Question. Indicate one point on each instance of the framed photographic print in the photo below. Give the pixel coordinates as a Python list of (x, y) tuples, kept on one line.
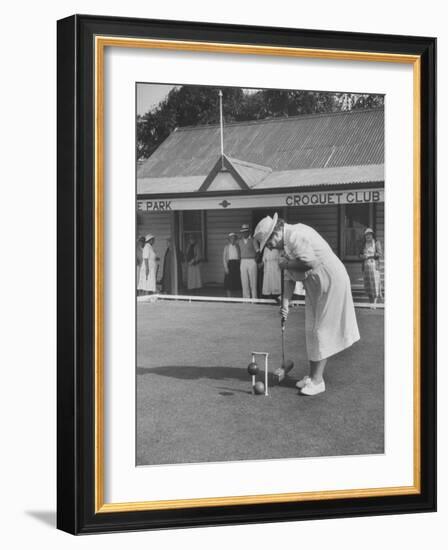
[(246, 274)]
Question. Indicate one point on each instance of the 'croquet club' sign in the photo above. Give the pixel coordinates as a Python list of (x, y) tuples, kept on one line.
[(312, 198), (334, 197)]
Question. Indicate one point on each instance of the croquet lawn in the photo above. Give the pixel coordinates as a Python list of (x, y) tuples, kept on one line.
[(194, 400)]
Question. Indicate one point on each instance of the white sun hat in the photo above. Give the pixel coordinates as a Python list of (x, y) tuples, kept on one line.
[(264, 230), (149, 236)]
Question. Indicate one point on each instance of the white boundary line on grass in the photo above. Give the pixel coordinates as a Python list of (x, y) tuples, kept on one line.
[(151, 298)]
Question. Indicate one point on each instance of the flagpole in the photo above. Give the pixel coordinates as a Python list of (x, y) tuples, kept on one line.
[(222, 128)]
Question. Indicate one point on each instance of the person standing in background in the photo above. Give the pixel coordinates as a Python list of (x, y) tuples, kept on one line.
[(193, 258), (371, 252), (271, 272), (231, 261), (168, 261), (167, 267), (139, 255), (248, 265), (147, 282)]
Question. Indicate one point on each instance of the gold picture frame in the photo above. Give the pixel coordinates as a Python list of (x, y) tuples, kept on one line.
[(98, 515)]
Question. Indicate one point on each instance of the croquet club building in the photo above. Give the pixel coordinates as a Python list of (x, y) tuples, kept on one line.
[(324, 170)]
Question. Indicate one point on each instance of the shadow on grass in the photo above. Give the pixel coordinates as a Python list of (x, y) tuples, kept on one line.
[(195, 373), (185, 372), (231, 391)]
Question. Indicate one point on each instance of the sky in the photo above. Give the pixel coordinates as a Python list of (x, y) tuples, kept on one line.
[(150, 95)]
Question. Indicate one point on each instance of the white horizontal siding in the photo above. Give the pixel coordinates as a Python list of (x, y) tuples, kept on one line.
[(323, 219)]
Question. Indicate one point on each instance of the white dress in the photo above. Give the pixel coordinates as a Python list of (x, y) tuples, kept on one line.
[(271, 273), (330, 319), (194, 278), (148, 283)]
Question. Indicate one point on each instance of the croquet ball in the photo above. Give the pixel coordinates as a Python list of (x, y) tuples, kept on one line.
[(252, 368), (259, 388)]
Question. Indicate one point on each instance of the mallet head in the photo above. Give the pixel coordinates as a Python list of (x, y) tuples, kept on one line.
[(281, 372)]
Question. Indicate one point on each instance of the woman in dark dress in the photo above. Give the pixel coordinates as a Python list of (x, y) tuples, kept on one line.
[(168, 259)]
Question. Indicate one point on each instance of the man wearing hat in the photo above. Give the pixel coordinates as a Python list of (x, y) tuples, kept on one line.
[(330, 320), (148, 270), (248, 265), (231, 261)]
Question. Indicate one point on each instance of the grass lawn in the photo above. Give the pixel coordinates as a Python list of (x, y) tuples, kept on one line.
[(194, 401)]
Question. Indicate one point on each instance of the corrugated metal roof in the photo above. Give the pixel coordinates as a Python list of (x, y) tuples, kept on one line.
[(189, 184), (335, 175), (324, 149), (345, 138)]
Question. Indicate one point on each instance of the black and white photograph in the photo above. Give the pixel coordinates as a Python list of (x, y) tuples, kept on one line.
[(260, 274), (227, 330)]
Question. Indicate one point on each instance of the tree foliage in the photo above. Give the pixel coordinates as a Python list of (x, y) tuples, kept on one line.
[(194, 105)]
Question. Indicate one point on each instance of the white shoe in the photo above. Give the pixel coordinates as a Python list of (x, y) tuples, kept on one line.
[(302, 383), (313, 389)]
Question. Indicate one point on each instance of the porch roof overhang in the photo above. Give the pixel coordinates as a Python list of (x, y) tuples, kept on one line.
[(271, 182)]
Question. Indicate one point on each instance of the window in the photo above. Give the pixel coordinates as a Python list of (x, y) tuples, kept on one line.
[(192, 222), (355, 219)]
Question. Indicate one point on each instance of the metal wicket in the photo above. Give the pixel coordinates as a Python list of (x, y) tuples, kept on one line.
[(266, 371)]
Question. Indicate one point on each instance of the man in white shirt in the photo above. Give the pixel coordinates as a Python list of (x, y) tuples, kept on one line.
[(248, 265)]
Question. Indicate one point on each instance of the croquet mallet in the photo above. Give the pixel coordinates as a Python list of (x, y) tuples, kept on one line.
[(287, 365)]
